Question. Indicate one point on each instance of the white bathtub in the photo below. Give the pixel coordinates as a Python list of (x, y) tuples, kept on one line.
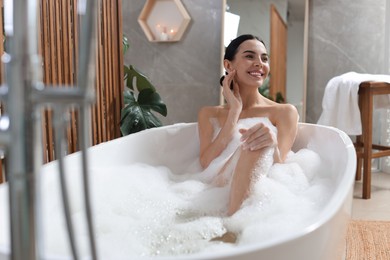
[(323, 239)]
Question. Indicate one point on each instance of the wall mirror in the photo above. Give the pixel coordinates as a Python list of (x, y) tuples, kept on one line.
[(283, 25)]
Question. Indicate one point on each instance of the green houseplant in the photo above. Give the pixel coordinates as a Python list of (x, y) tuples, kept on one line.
[(264, 90), (140, 98)]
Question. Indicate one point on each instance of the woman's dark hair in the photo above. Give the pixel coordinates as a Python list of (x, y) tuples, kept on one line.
[(232, 48)]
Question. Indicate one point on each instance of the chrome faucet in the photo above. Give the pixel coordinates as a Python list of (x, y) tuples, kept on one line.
[(23, 96)]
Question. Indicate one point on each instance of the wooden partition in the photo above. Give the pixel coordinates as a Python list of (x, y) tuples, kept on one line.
[(59, 40), (278, 58), (59, 33)]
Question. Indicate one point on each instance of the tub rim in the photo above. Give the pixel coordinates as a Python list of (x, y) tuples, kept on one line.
[(330, 209)]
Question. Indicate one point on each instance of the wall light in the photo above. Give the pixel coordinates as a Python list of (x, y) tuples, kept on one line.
[(8, 17), (164, 20), (231, 27)]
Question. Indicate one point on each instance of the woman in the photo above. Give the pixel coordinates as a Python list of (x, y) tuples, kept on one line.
[(273, 128)]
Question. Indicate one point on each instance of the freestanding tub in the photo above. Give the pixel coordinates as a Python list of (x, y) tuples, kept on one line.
[(323, 239)]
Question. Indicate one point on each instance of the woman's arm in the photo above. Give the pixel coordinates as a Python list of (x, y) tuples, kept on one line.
[(260, 136), (209, 148), (287, 125)]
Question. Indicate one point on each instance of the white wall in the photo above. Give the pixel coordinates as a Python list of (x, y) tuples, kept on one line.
[(340, 42), (185, 73)]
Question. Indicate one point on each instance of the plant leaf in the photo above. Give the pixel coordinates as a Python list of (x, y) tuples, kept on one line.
[(151, 99), (125, 71), (130, 119), (151, 119), (142, 82), (125, 43), (264, 88), (279, 97), (135, 118), (136, 115), (128, 97), (128, 78)]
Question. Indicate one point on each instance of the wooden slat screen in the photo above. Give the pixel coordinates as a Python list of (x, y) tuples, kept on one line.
[(109, 73), (278, 59), (58, 46), (60, 27)]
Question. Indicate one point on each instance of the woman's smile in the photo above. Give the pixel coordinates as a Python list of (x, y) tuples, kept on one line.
[(256, 73)]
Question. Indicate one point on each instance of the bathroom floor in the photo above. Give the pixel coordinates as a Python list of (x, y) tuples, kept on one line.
[(378, 206)]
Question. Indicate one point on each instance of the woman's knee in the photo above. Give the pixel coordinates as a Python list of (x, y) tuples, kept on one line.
[(252, 154)]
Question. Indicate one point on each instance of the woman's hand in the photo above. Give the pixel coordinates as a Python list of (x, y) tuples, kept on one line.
[(258, 137), (232, 96)]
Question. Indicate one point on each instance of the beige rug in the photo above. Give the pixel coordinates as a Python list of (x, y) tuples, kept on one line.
[(368, 240)]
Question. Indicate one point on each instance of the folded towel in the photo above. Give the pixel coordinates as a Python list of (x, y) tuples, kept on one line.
[(340, 106)]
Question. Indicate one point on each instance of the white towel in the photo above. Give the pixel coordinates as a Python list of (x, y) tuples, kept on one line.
[(340, 107)]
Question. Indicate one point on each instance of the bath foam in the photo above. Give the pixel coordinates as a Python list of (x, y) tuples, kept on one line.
[(145, 210)]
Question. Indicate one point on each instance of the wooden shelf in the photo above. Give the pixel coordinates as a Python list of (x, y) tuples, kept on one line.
[(164, 20)]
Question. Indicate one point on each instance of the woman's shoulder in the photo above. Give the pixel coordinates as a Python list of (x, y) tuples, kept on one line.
[(286, 113), (277, 112), (210, 111), (277, 108), (287, 108)]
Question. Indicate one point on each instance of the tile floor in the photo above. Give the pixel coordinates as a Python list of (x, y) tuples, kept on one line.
[(378, 206)]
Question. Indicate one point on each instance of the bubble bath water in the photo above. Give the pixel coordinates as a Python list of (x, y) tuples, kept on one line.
[(145, 210)]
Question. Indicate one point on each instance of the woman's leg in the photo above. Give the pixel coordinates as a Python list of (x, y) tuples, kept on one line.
[(225, 174), (250, 165)]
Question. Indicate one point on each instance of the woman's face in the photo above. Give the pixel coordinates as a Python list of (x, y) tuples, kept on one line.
[(251, 63)]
